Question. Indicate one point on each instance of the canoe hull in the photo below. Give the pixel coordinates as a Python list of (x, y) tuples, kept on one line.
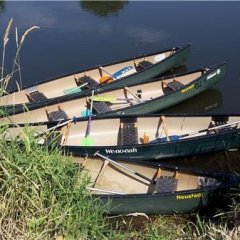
[(172, 203), (157, 151)]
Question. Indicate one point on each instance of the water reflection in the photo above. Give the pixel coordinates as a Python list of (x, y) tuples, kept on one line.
[(2, 6), (207, 101), (103, 8)]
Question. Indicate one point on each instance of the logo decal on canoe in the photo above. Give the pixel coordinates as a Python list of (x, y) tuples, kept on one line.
[(188, 196), (214, 74), (127, 150), (187, 89)]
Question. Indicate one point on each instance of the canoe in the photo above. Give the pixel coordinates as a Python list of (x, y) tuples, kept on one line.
[(152, 96), (119, 74), (133, 188), (143, 137)]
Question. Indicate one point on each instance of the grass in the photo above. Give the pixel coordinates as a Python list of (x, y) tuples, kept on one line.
[(43, 195)]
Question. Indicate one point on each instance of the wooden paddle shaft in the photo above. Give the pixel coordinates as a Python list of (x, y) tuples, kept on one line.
[(124, 167)]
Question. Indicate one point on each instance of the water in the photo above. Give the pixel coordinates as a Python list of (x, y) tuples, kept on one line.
[(77, 35)]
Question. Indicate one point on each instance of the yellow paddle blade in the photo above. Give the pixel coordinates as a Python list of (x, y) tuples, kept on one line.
[(103, 98)]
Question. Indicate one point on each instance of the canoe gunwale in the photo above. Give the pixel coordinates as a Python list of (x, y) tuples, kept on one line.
[(175, 193)]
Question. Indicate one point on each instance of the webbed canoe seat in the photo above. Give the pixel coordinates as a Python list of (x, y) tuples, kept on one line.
[(166, 184), (128, 132), (86, 79), (58, 115), (175, 85), (204, 182), (35, 96), (143, 65), (101, 107), (172, 86)]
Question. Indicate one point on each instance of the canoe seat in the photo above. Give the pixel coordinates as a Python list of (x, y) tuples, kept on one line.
[(143, 65), (166, 184), (101, 107), (204, 182), (57, 115), (175, 85), (86, 79), (172, 86), (128, 132), (36, 96)]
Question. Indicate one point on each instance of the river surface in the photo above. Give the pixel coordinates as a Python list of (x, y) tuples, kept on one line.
[(78, 35)]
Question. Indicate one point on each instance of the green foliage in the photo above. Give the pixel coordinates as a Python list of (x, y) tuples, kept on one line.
[(43, 194)]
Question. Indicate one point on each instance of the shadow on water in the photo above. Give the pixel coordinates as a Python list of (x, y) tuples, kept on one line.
[(175, 71), (207, 101), (219, 162), (103, 8)]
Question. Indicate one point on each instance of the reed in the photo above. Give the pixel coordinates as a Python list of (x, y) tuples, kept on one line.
[(5, 41)]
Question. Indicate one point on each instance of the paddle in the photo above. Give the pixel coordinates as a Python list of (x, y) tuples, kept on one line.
[(201, 131), (110, 99), (75, 88), (209, 129), (105, 191), (124, 167), (57, 126), (105, 79), (119, 74), (88, 141)]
